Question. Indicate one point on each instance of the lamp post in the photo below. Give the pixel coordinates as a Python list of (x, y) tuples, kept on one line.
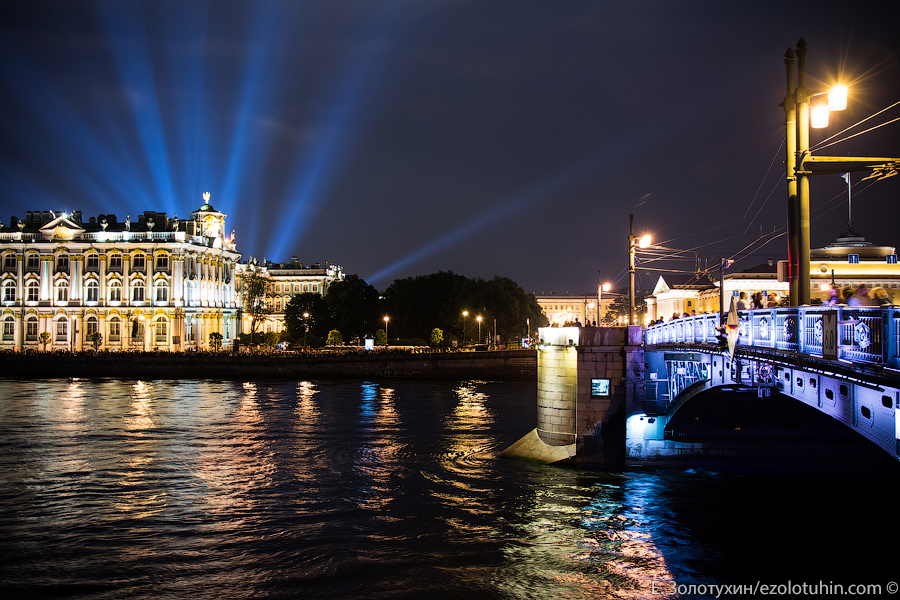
[(632, 243), (465, 314), (306, 327), (74, 330), (386, 319), (478, 318), (797, 122)]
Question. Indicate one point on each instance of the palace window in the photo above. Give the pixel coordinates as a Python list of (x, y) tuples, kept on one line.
[(162, 291), (33, 291), (62, 263), (93, 291), (34, 262), (31, 327), (62, 291), (137, 291), (92, 325), (9, 328), (93, 262), (162, 262), (62, 330), (138, 262), (115, 329), (9, 262), (115, 291), (9, 291), (162, 331), (115, 262)]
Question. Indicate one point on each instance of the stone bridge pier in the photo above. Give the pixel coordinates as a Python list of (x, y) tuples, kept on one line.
[(590, 379)]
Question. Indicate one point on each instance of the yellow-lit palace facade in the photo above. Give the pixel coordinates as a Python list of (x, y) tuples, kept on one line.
[(157, 283)]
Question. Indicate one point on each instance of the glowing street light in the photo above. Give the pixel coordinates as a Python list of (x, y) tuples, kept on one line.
[(465, 314), (478, 318), (386, 319), (306, 326), (632, 242)]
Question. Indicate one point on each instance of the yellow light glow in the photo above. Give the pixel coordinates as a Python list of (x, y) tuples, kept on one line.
[(837, 98), (818, 116), (606, 287), (645, 241), (824, 287)]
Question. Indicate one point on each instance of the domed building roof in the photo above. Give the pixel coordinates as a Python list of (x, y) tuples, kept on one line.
[(851, 242)]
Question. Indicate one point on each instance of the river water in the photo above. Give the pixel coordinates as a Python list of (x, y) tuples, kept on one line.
[(360, 489)]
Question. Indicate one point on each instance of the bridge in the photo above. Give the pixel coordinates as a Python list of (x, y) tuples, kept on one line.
[(843, 362)]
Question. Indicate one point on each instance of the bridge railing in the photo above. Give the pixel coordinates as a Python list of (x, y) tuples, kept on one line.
[(868, 335)]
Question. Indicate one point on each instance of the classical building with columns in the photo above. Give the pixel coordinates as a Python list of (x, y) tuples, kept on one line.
[(156, 283), (287, 279)]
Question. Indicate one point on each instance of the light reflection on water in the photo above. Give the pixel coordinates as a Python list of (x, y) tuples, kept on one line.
[(146, 489)]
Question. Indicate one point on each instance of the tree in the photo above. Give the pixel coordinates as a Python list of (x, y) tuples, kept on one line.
[(334, 338), (355, 306), (617, 313), (380, 337), (437, 337), (45, 338), (270, 338), (96, 339), (255, 285), (318, 322), (215, 341)]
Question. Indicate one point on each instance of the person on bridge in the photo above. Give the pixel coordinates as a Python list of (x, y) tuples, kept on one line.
[(742, 304), (861, 297)]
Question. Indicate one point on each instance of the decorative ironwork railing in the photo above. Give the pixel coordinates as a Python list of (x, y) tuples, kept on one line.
[(867, 335)]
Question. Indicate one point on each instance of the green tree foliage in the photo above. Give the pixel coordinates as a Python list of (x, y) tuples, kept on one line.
[(437, 337), (380, 338), (417, 305), (44, 339), (270, 338), (334, 338), (618, 309), (319, 319), (215, 341), (95, 338), (355, 307), (255, 284)]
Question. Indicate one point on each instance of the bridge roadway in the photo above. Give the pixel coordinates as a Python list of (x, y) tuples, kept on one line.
[(842, 361)]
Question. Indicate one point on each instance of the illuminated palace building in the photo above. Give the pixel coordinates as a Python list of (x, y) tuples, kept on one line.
[(157, 283), (286, 280)]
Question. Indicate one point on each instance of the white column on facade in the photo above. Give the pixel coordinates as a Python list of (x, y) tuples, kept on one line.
[(76, 268), (47, 278)]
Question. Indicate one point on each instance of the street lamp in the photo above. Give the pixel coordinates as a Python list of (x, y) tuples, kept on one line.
[(386, 319), (465, 314), (797, 123), (74, 330), (478, 318), (632, 242), (306, 327), (601, 287)]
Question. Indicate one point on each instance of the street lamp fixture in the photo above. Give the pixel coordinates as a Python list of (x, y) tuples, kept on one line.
[(306, 327), (465, 314), (478, 318), (386, 319), (632, 242)]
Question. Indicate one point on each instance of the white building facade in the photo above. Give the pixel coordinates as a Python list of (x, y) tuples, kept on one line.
[(158, 283)]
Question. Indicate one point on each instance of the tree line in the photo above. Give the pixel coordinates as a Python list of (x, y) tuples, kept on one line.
[(415, 308)]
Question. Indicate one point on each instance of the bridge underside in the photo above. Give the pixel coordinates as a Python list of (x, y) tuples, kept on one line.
[(733, 426)]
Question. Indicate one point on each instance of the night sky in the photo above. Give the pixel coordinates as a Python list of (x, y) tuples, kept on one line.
[(401, 138)]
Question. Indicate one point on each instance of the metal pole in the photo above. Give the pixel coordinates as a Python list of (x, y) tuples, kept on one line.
[(631, 269), (722, 291), (803, 177), (790, 122)]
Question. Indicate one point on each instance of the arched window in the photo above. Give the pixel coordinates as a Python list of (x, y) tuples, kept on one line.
[(62, 329), (9, 328), (92, 325), (9, 291), (34, 291), (93, 291), (162, 330), (115, 329), (137, 291), (162, 290), (115, 291), (62, 291), (31, 329)]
